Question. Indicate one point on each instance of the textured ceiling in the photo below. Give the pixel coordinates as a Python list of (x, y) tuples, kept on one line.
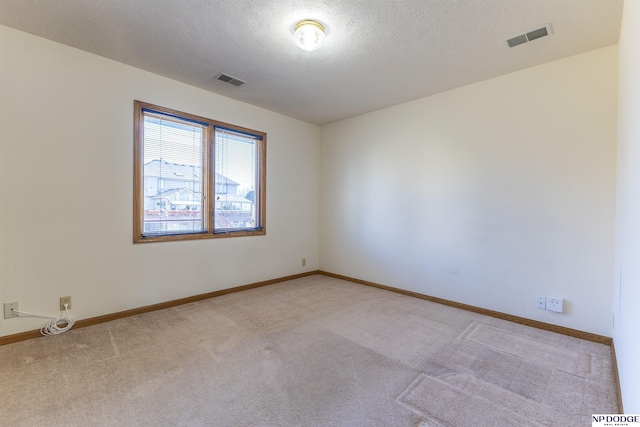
[(378, 53)]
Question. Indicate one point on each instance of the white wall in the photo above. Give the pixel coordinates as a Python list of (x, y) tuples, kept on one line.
[(487, 195), (627, 296), (66, 188)]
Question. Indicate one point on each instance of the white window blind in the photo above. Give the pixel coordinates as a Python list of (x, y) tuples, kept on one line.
[(173, 150), (236, 180)]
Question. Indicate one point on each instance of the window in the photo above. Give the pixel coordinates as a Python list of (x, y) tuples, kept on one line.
[(195, 177)]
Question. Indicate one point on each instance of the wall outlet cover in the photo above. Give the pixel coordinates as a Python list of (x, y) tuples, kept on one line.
[(555, 304), (63, 301), (8, 309)]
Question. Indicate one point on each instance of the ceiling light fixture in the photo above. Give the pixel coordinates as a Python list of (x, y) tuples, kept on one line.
[(309, 35)]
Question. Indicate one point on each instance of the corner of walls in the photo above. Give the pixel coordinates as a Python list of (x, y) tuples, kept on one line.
[(488, 195), (627, 273)]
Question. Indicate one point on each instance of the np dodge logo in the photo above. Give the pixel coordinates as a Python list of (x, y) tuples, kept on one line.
[(615, 420)]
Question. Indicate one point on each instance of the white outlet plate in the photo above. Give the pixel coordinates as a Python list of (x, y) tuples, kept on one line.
[(541, 302), (555, 304), (8, 307), (63, 301)]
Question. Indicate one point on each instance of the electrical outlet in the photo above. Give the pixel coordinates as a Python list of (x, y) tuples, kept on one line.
[(304, 262), (63, 301), (8, 309), (541, 302), (554, 304)]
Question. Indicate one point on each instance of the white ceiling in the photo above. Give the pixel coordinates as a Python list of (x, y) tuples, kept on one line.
[(378, 53)]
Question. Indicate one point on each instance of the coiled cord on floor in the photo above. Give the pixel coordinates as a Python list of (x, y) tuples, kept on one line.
[(56, 325)]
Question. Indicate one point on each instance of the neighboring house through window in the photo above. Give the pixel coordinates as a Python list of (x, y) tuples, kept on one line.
[(195, 177)]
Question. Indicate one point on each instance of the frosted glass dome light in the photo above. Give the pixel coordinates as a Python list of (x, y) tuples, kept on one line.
[(309, 35)]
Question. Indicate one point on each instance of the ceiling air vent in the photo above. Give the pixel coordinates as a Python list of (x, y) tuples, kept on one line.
[(529, 36), (230, 79)]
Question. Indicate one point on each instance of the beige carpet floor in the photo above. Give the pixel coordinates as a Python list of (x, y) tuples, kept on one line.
[(315, 351)]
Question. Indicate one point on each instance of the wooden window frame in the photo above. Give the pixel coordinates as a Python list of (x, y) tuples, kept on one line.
[(208, 199)]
